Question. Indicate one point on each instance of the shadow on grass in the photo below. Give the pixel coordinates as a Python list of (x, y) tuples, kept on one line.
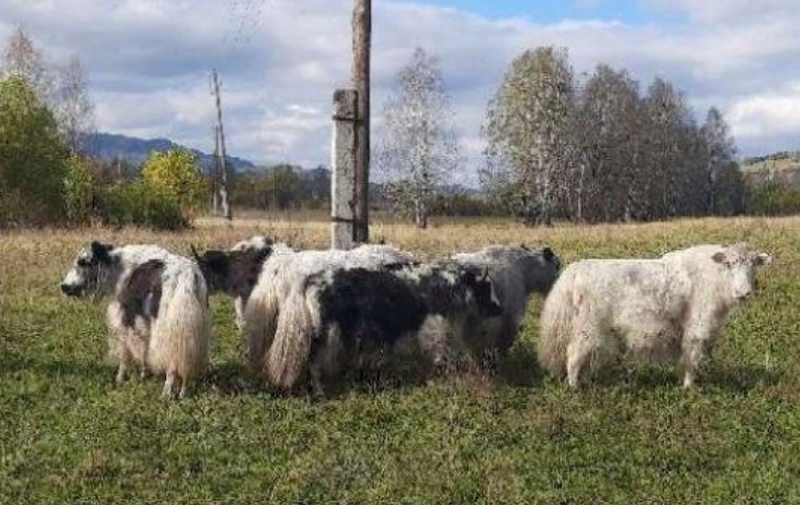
[(738, 379), (520, 368), (230, 379), (12, 363)]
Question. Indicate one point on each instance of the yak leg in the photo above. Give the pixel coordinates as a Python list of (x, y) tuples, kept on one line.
[(582, 345), (168, 384), (125, 357)]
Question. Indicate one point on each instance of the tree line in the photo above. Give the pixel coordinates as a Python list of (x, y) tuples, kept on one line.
[(586, 149), (45, 112), (600, 150), (46, 116), (558, 147)]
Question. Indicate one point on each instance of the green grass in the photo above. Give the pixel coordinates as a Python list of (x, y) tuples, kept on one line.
[(69, 435)]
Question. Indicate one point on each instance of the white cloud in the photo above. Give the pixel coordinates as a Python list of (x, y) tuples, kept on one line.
[(281, 60), (765, 114)]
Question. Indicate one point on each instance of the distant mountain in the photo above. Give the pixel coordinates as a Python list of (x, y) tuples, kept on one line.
[(108, 146)]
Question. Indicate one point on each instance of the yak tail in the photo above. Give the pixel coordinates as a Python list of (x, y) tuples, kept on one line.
[(556, 326), (181, 336), (289, 354), (260, 320)]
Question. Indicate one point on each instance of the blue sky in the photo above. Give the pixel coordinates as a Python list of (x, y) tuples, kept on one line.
[(280, 61), (554, 11)]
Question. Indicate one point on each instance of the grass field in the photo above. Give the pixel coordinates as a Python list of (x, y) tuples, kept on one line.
[(68, 435)]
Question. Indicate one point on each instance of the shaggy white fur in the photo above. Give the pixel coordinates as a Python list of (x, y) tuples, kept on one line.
[(278, 305), (174, 343), (662, 309)]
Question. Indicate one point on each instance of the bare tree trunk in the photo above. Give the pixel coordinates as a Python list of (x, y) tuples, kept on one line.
[(628, 214), (362, 32), (421, 215), (223, 180), (581, 188), (421, 206)]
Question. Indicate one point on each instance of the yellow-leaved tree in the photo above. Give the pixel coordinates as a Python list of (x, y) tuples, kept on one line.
[(175, 174)]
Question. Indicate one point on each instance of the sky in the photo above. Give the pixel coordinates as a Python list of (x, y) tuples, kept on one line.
[(280, 61)]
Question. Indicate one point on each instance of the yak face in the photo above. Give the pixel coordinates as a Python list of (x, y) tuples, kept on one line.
[(740, 264), (541, 269), (481, 289), (90, 272)]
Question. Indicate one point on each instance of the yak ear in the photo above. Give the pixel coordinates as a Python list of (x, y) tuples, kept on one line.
[(548, 254), (100, 251), (522, 245)]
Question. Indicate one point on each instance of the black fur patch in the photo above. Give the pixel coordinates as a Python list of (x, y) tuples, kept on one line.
[(372, 308), (446, 297), (100, 252), (233, 272), (141, 295)]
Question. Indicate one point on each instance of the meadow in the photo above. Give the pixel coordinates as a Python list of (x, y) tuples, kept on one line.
[(69, 435)]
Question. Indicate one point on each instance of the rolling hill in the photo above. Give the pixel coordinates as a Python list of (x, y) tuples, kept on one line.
[(108, 146), (783, 167)]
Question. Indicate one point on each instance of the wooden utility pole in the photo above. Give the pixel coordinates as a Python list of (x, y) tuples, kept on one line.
[(216, 175), (223, 171), (362, 33)]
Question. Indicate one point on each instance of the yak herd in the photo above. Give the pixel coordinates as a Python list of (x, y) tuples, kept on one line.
[(310, 317)]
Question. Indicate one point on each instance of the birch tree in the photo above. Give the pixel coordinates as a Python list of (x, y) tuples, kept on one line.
[(528, 126), (607, 131), (23, 59), (64, 88), (417, 149), (74, 108), (666, 123), (720, 154)]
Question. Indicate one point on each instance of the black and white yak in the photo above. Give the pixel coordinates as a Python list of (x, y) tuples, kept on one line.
[(158, 316), (325, 313)]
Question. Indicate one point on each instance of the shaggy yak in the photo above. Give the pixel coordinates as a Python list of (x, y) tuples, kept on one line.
[(515, 272), (235, 271), (340, 318), (667, 309), (281, 288), (158, 315)]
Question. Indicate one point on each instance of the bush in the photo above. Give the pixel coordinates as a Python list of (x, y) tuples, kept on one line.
[(774, 198), (78, 191), (33, 160), (135, 203), (175, 175)]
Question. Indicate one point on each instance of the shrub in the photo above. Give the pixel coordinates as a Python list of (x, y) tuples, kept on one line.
[(176, 176), (134, 203), (774, 198), (78, 191)]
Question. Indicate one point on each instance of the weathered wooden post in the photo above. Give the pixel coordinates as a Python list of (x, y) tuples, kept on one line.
[(362, 42), (343, 160)]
